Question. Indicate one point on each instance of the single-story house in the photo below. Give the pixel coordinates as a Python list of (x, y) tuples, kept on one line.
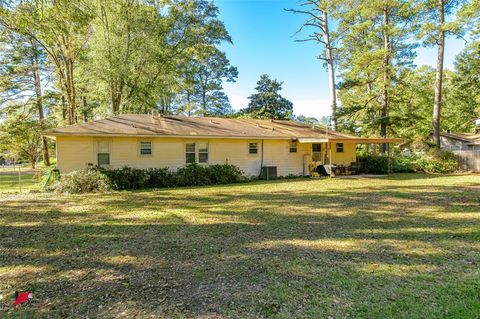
[(460, 141), (465, 147), (145, 141)]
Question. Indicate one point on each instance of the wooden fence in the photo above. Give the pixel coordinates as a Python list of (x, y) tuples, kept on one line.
[(468, 160)]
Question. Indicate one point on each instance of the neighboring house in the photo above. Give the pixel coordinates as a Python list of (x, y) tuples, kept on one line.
[(460, 141), (465, 146), (145, 141)]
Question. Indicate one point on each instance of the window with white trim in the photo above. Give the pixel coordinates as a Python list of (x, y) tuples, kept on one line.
[(145, 148), (293, 146), (202, 152), (103, 153), (190, 153), (196, 152), (253, 148)]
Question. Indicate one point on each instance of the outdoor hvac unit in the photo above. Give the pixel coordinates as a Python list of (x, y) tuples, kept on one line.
[(268, 172)]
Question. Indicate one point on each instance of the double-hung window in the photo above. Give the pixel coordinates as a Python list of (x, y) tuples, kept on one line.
[(253, 148), (339, 147), (103, 153), (293, 147), (145, 148), (190, 153), (196, 152), (202, 152)]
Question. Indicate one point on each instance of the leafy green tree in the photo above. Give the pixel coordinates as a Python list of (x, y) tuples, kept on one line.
[(375, 50), (463, 99), (22, 75), (21, 138), (434, 30), (267, 103), (60, 27)]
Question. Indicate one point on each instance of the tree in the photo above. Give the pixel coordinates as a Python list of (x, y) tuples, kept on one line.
[(317, 12), (375, 50), (24, 62), (268, 103), (21, 138), (60, 27), (463, 85), (434, 31)]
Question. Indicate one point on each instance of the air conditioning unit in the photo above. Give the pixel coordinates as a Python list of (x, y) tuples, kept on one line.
[(268, 172)]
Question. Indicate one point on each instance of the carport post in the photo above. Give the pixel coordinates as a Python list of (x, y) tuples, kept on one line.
[(389, 163), (330, 158)]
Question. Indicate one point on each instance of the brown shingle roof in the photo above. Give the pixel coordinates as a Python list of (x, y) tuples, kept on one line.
[(182, 126)]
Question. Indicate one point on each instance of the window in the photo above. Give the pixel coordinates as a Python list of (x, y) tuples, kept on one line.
[(293, 147), (145, 148), (203, 152), (253, 148), (103, 153), (339, 147), (190, 153), (196, 152), (316, 152)]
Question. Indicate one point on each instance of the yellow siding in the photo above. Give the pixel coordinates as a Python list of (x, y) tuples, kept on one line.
[(75, 153), (348, 156)]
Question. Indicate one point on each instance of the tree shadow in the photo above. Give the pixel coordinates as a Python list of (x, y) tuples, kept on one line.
[(241, 253)]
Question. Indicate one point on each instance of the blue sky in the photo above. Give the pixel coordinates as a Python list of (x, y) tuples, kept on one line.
[(262, 34)]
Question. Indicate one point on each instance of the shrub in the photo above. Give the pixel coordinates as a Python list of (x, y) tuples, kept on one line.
[(87, 181), (405, 164), (435, 161), (224, 174), (370, 164), (126, 177), (192, 175), (160, 177)]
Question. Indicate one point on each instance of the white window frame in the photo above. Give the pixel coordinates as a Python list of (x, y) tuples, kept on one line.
[(293, 147), (197, 152), (109, 143), (257, 148), (140, 148)]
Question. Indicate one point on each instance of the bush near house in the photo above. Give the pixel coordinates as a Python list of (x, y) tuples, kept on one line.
[(128, 178), (79, 182), (434, 161)]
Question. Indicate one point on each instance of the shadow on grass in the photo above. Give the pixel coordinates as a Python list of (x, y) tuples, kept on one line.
[(362, 252)]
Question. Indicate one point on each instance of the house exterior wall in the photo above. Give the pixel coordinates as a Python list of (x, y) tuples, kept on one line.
[(451, 144), (76, 153)]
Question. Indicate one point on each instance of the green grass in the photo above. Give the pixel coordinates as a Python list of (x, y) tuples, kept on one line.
[(406, 246), (9, 182)]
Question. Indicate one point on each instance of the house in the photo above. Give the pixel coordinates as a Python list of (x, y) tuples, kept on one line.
[(460, 141), (145, 141), (465, 147)]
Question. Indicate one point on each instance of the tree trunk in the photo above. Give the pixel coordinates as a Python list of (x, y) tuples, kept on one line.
[(331, 69), (437, 105), (39, 102), (386, 79), (85, 108), (64, 109)]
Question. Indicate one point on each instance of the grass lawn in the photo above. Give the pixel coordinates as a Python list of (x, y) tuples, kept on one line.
[(406, 246), (9, 182)]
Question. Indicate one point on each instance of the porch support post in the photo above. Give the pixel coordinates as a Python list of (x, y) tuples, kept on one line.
[(330, 158), (389, 151)]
